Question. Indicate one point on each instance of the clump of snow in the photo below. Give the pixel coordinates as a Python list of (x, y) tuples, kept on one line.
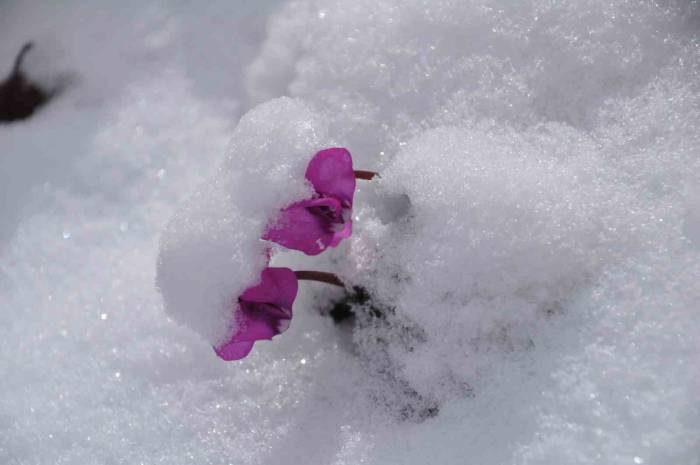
[(525, 151), (498, 235), (389, 70), (532, 244), (211, 250)]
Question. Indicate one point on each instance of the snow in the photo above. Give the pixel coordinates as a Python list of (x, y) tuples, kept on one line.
[(533, 242)]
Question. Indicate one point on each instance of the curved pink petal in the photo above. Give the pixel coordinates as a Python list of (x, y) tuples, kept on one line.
[(309, 226), (260, 321), (278, 286), (234, 350), (263, 311), (313, 225), (330, 172)]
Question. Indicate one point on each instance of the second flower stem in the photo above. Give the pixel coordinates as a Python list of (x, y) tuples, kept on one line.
[(320, 276), (363, 174)]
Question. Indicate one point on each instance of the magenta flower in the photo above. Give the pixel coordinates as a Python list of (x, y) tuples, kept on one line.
[(262, 311), (324, 220)]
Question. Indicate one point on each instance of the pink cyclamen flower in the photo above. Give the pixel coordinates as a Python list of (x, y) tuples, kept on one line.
[(262, 311), (324, 220)]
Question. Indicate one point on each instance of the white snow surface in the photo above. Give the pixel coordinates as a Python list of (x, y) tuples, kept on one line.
[(533, 242)]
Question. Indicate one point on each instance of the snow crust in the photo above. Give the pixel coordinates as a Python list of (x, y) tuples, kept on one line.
[(533, 243)]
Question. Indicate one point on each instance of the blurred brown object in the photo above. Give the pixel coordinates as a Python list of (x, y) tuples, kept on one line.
[(19, 96)]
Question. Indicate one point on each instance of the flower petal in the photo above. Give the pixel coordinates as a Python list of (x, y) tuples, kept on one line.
[(234, 350), (262, 311), (298, 227), (260, 321), (345, 232), (278, 286), (330, 172), (256, 321), (250, 328)]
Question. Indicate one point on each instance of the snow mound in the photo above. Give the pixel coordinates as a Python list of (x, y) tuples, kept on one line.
[(388, 70), (526, 151), (211, 250)]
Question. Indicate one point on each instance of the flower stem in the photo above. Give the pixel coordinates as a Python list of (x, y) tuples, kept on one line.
[(320, 276), (363, 174), (20, 56)]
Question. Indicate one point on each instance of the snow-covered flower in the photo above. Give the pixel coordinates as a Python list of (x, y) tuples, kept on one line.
[(314, 224), (261, 312)]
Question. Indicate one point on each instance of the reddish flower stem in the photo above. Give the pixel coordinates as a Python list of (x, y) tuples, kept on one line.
[(363, 174), (320, 276)]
